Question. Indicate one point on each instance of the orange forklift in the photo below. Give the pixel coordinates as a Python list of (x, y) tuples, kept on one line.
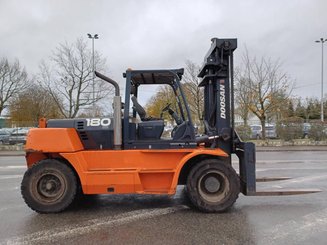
[(127, 153)]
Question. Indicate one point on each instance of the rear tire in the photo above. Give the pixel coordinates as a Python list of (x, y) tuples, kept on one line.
[(212, 186), (49, 186)]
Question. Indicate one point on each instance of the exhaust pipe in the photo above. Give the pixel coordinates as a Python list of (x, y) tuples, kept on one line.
[(109, 80), (117, 111)]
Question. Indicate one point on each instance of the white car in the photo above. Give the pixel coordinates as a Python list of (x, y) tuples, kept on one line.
[(18, 136)]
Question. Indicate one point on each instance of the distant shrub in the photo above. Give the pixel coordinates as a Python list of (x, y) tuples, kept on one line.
[(244, 132), (317, 132), (290, 128)]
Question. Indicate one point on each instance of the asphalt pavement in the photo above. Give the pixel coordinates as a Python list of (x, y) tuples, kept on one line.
[(137, 219)]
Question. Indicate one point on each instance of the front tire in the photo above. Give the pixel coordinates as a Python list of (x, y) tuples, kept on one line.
[(212, 186), (49, 186)]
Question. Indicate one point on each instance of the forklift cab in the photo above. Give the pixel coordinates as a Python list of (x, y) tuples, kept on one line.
[(148, 128), (144, 131)]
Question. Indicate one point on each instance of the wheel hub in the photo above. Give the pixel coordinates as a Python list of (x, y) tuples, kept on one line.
[(49, 187), (211, 184)]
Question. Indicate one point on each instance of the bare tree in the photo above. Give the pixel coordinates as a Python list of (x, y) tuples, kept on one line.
[(193, 92), (242, 97), (32, 104), (265, 87), (69, 80), (13, 80)]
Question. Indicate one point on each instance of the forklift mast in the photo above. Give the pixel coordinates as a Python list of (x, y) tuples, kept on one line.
[(217, 80)]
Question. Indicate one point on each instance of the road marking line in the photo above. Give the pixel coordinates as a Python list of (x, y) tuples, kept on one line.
[(299, 230), (11, 207), (304, 179), (13, 167), (276, 169), (92, 225), (10, 189), (15, 176), (281, 161)]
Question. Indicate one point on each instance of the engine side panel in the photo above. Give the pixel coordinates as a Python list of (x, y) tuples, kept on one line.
[(94, 133)]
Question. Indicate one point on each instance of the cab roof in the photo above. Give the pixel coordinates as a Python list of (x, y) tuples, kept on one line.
[(167, 76)]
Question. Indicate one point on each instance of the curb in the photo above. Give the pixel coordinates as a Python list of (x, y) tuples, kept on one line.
[(290, 148)]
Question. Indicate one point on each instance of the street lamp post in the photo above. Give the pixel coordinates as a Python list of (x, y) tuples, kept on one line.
[(95, 36), (322, 40)]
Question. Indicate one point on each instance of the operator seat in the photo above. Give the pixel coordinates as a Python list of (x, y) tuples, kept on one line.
[(150, 128), (140, 110)]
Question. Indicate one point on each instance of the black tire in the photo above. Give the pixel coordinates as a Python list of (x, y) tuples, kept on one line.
[(49, 186), (212, 186)]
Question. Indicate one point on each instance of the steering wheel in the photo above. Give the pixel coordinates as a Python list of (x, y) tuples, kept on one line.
[(172, 113), (166, 108)]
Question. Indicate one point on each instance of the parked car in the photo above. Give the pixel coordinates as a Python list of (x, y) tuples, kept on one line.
[(168, 128), (256, 131), (306, 129), (4, 136), (271, 131), (18, 136)]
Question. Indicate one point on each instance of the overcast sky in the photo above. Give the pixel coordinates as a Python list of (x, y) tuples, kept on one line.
[(164, 34)]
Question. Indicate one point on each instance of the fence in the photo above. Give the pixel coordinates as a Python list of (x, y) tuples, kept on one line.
[(288, 130)]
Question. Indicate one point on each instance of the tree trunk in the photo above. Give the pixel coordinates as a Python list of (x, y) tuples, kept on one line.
[(263, 124), (245, 121)]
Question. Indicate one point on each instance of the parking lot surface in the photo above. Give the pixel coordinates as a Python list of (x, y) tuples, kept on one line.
[(137, 219)]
